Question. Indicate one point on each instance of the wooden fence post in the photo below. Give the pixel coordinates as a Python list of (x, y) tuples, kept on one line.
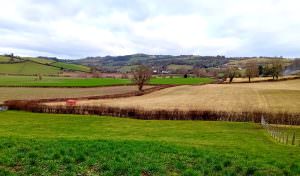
[(294, 138)]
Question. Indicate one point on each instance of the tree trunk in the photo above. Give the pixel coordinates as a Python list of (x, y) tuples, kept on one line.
[(249, 79), (231, 79), (141, 87)]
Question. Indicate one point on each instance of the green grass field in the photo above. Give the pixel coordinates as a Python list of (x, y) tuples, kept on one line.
[(60, 81), (4, 59), (89, 82), (39, 60), (44, 144), (73, 67), (32, 66), (180, 81), (28, 68)]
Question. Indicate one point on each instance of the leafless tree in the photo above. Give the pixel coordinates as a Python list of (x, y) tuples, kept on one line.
[(251, 70), (231, 72), (141, 75)]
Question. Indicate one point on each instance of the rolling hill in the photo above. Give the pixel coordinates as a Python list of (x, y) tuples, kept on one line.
[(120, 63), (36, 65), (167, 62)]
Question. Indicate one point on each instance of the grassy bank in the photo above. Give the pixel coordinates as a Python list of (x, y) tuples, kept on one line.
[(71, 144)]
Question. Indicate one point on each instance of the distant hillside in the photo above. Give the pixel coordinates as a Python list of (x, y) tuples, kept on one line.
[(36, 65), (121, 63), (165, 62)]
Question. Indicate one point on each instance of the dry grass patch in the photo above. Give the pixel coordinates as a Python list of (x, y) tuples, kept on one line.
[(11, 93), (267, 96)]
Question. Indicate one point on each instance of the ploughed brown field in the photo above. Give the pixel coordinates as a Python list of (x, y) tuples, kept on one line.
[(20, 93), (265, 96)]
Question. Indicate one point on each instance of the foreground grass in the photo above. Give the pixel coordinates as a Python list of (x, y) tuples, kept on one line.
[(181, 81), (60, 81), (44, 144)]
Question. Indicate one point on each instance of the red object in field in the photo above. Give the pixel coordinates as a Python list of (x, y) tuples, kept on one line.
[(71, 102)]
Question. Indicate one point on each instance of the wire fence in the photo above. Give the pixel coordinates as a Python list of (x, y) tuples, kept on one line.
[(284, 135)]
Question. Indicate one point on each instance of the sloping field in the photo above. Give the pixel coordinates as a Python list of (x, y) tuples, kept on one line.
[(32, 65), (73, 67), (39, 60), (23, 93), (267, 96), (259, 61), (28, 68)]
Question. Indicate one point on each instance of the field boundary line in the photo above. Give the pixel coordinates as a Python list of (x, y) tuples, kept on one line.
[(261, 81), (278, 134), (159, 114)]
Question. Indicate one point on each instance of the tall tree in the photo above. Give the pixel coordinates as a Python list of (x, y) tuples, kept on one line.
[(276, 68), (251, 70), (141, 75)]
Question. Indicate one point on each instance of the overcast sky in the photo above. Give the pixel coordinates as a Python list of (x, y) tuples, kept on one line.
[(80, 28)]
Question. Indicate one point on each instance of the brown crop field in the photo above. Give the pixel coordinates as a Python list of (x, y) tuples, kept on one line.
[(282, 96), (12, 93)]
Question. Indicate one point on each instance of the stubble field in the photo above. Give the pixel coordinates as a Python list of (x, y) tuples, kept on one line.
[(281, 96)]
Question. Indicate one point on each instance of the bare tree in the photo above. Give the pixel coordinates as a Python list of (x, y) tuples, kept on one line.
[(141, 75), (231, 72), (200, 72), (251, 70)]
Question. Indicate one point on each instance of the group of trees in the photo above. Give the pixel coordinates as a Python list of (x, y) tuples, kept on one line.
[(274, 69), (252, 69), (142, 74)]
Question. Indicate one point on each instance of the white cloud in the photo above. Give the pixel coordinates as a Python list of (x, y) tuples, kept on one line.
[(74, 29)]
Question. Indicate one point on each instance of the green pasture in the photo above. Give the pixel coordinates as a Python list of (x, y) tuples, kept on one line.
[(54, 144), (33, 81), (180, 80)]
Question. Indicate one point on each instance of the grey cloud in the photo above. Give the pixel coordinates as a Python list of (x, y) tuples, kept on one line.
[(92, 31)]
